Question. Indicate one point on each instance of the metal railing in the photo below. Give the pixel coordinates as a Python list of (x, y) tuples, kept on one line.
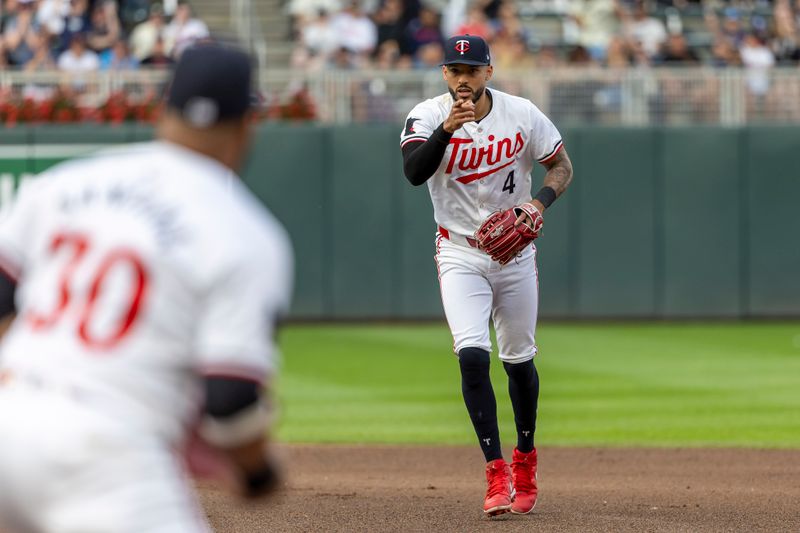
[(248, 28), (631, 97), (585, 96), (89, 89)]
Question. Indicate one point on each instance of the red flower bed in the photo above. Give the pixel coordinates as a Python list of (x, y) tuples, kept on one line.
[(299, 107), (121, 107)]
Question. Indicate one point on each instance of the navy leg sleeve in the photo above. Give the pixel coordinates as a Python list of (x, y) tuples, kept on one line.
[(523, 387), (476, 387)]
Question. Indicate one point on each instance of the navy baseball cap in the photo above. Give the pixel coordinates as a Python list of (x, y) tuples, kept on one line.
[(466, 50), (211, 83)]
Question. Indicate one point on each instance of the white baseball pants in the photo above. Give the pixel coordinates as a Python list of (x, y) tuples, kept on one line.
[(65, 468), (476, 289)]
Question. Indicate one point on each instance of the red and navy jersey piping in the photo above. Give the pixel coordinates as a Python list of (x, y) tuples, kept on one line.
[(557, 148)]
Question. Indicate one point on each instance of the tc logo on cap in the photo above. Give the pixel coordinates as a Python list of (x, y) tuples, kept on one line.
[(201, 112), (462, 46)]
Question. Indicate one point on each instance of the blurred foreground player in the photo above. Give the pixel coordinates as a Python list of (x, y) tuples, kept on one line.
[(146, 283)]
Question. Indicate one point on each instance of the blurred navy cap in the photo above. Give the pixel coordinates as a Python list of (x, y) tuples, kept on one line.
[(211, 83), (466, 50)]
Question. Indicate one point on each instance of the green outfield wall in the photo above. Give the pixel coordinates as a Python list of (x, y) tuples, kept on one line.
[(659, 222)]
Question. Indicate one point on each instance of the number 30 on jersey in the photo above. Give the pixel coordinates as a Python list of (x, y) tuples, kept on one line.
[(75, 246)]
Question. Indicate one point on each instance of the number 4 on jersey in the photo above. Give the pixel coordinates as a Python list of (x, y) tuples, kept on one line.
[(509, 184)]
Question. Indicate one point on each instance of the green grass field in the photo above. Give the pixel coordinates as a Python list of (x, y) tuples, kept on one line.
[(724, 384)]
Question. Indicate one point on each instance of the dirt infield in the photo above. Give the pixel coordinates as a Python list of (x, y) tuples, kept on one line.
[(436, 490)]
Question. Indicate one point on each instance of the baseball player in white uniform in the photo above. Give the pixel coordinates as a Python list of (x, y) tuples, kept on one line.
[(475, 148), (146, 283)]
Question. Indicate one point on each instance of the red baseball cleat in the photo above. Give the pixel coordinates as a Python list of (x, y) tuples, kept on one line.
[(500, 492), (523, 470)]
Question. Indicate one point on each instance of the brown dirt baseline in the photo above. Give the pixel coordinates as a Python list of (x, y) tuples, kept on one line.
[(440, 489)]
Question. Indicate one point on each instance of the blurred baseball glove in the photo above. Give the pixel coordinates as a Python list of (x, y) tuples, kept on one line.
[(502, 238)]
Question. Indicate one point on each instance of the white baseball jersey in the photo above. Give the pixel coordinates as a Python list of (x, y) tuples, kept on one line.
[(139, 270), (487, 166)]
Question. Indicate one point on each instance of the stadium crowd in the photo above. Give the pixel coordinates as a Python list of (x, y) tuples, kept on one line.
[(79, 36), (407, 34), (607, 38)]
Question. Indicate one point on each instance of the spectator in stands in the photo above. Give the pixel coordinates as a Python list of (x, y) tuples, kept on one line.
[(105, 30), (145, 35), (618, 54), (731, 26), (42, 61), (303, 11), (510, 52), (388, 55), (510, 42), (184, 30), (158, 58), (758, 61), (78, 58), (639, 57), (42, 58), (422, 31), (410, 11), (508, 23), (786, 44), (548, 58), (723, 53), (797, 12), (648, 31), (118, 58), (676, 52), (476, 23), (574, 101), (343, 59), (52, 15), (371, 103), (76, 22), (19, 29), (389, 23), (319, 41), (579, 56), (608, 98), (597, 21), (429, 55), (357, 33), (453, 15)]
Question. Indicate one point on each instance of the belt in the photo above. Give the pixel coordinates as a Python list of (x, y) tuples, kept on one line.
[(455, 238)]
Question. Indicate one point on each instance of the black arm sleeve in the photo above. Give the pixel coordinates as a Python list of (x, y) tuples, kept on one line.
[(8, 288), (421, 159), (227, 396)]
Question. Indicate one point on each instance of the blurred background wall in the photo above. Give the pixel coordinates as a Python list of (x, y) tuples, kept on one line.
[(682, 118), (677, 222)]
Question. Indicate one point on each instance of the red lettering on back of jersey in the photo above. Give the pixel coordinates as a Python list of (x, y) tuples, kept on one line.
[(86, 302), (79, 244), (472, 158)]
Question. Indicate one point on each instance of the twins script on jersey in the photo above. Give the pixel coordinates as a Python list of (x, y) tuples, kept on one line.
[(487, 166), (137, 272)]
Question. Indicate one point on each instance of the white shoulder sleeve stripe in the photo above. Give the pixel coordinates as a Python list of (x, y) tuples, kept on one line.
[(416, 138), (557, 148)]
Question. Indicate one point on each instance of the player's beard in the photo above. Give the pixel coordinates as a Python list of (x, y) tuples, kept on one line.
[(476, 95)]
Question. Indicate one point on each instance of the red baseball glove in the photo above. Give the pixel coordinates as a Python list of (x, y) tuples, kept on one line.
[(501, 238)]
